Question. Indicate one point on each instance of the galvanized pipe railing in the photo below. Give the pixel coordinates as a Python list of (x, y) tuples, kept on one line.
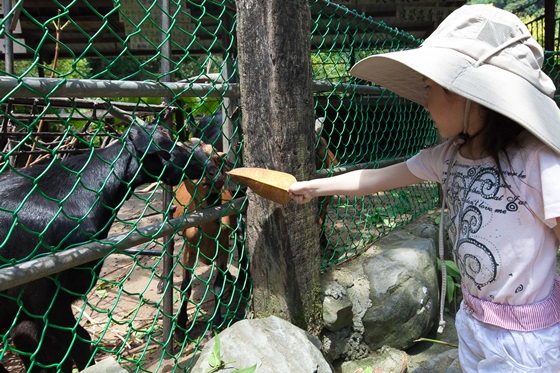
[(22, 273), (53, 87)]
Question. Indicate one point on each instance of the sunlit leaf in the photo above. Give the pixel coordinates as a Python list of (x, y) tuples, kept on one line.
[(214, 359), (246, 370)]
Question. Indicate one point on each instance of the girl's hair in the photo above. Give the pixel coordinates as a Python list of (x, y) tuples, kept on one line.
[(497, 135)]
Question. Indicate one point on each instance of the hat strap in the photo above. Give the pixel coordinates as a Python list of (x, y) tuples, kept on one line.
[(500, 47), (459, 140), (466, 116)]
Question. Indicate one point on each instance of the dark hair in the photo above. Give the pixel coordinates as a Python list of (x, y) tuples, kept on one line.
[(497, 135)]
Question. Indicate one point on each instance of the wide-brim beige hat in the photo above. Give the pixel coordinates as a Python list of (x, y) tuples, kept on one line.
[(482, 53)]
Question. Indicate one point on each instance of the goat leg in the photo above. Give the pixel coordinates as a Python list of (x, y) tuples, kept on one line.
[(182, 317), (26, 336), (80, 351)]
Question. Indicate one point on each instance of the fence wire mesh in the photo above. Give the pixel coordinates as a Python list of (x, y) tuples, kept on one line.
[(363, 126), (81, 84)]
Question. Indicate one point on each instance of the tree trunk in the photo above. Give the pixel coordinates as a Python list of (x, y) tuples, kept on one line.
[(278, 128)]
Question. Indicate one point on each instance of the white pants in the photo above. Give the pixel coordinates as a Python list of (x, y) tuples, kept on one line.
[(484, 348)]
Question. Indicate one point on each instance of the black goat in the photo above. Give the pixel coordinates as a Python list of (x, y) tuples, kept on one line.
[(47, 208), (209, 128)]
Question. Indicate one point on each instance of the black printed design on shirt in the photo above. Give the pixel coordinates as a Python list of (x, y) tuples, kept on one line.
[(468, 193)]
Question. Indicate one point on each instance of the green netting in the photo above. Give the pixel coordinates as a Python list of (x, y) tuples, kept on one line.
[(77, 76), (364, 126)]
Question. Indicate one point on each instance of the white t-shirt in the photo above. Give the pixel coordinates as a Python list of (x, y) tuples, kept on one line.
[(504, 244)]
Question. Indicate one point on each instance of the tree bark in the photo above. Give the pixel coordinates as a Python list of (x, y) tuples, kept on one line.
[(278, 129)]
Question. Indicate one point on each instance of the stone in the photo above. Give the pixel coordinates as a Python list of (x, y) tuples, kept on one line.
[(108, 365), (404, 291), (384, 360), (272, 344), (439, 364), (389, 296)]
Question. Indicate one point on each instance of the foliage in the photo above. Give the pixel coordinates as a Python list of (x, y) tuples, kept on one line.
[(66, 68), (453, 295), (215, 361), (527, 10), (331, 66)]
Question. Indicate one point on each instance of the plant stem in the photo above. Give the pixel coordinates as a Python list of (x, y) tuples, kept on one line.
[(437, 341)]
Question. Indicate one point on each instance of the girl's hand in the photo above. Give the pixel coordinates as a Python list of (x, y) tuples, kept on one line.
[(299, 192)]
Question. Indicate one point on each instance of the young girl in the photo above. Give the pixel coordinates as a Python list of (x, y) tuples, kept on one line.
[(479, 77)]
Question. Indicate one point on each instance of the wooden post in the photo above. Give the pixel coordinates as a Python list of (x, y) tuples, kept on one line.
[(278, 128)]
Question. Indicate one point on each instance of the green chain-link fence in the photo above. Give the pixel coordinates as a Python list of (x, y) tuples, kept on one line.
[(75, 76), (364, 126)]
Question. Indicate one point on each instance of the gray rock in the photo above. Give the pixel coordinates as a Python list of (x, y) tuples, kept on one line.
[(388, 296), (455, 367), (386, 359), (374, 307), (404, 291), (424, 230), (108, 365), (355, 348), (272, 344), (335, 343), (440, 364), (337, 307), (434, 346)]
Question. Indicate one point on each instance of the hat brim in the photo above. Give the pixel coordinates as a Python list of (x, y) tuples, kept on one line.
[(493, 87)]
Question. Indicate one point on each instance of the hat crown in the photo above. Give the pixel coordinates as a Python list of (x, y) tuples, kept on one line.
[(493, 36)]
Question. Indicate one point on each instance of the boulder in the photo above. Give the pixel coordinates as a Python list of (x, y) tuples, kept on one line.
[(272, 344), (388, 296)]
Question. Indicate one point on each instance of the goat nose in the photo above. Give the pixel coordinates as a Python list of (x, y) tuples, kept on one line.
[(212, 169), (219, 181)]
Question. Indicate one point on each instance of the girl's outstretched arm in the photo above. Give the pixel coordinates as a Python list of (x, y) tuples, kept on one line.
[(355, 183)]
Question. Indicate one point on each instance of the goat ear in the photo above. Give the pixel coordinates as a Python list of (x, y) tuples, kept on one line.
[(144, 144), (164, 154)]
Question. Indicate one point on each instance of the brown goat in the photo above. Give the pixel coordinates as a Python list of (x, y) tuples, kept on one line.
[(209, 242)]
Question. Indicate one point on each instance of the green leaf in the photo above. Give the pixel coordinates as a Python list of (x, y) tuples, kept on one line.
[(139, 334), (246, 370), (450, 289), (452, 269), (214, 359)]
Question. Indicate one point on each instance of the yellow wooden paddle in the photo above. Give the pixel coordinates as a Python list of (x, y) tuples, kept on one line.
[(270, 184)]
